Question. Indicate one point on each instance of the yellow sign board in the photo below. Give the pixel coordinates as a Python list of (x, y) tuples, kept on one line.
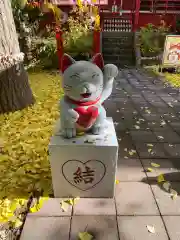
[(171, 55)]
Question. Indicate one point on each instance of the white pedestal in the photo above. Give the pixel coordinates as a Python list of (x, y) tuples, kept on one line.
[(84, 166)]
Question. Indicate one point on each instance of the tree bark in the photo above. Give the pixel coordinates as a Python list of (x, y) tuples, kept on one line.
[(15, 92)]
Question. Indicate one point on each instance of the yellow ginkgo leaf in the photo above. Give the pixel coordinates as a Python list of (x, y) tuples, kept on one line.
[(18, 223), (117, 181), (173, 194), (149, 145), (131, 153), (155, 165), (160, 178), (160, 137), (76, 200), (151, 229), (150, 170), (85, 236), (167, 186), (64, 206), (72, 201), (69, 201)]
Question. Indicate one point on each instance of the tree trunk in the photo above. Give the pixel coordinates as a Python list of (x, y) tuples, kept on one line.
[(15, 92)]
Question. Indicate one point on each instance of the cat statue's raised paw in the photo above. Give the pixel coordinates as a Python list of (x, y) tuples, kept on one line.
[(86, 85)]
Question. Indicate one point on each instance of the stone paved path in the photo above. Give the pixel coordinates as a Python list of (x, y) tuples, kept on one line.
[(147, 120)]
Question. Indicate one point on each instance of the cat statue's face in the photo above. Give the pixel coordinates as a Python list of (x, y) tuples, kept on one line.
[(82, 80)]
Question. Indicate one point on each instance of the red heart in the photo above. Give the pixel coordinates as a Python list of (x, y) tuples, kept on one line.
[(87, 116)]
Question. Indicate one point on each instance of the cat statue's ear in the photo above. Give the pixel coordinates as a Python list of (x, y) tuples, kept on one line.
[(98, 60), (66, 62)]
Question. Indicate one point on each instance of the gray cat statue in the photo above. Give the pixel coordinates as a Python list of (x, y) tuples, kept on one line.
[(86, 85)]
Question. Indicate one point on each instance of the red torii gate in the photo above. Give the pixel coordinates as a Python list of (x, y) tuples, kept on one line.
[(60, 48)]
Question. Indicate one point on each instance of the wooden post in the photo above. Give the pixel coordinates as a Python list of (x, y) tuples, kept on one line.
[(60, 50)]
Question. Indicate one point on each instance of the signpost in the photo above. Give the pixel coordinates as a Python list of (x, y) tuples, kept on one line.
[(171, 55)]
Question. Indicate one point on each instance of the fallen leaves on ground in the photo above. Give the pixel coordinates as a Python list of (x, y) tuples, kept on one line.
[(150, 170), (173, 194), (162, 123), (167, 186), (151, 228), (132, 152), (85, 236), (64, 205), (69, 202), (160, 178), (155, 165), (37, 204), (24, 164), (161, 137), (173, 79)]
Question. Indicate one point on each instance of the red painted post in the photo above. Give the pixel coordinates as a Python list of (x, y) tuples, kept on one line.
[(136, 15), (96, 41), (60, 50)]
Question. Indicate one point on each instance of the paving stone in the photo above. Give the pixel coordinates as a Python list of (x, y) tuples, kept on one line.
[(118, 100), (127, 149), (168, 98), (135, 198), (94, 206), (100, 227), (169, 116), (170, 168), (152, 117), (46, 228), (158, 126), (175, 125), (135, 228), (129, 170), (166, 204), (120, 126), (172, 226), (153, 97), (165, 110), (139, 125), (147, 109), (172, 149), (141, 105), (51, 208), (159, 104), (151, 150), (167, 136), (143, 136)]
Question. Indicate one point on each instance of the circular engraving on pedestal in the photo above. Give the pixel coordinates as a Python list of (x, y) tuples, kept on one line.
[(84, 175)]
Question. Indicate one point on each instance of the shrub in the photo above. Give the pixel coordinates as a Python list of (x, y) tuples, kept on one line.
[(27, 21), (77, 40), (152, 39)]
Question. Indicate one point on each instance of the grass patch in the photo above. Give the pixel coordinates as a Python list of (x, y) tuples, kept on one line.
[(169, 78), (25, 134)]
